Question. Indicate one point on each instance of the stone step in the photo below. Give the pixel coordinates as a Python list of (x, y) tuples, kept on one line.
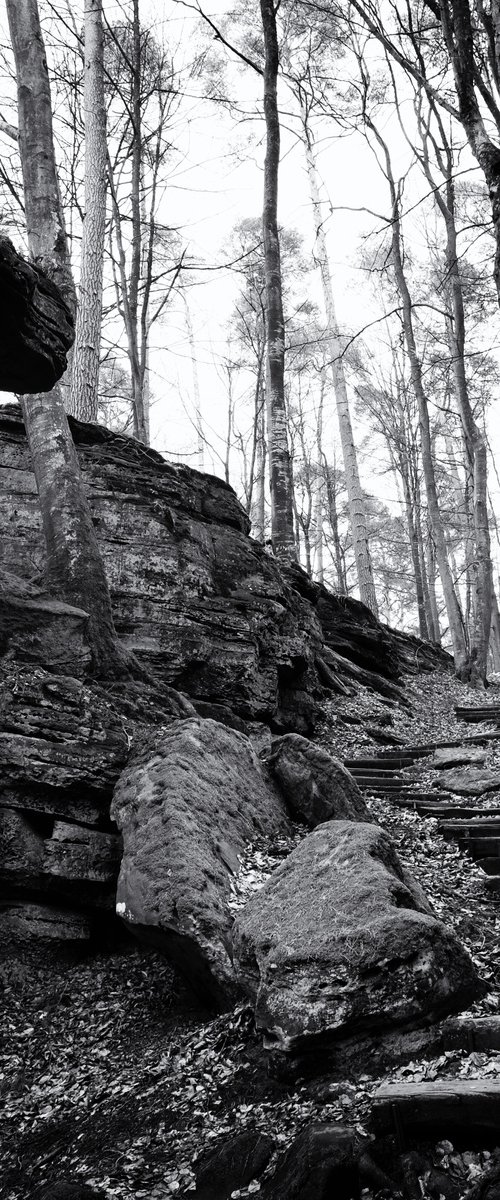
[(366, 772), (473, 739), (377, 764), (481, 847), (413, 799), (490, 866), (443, 1108), (473, 827), (472, 716), (471, 1033), (452, 808), (379, 783)]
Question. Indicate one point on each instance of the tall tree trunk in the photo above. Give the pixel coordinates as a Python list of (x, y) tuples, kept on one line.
[(342, 588), (280, 470), (319, 487), (74, 568), (355, 499), (433, 617), (200, 441), (452, 606), (459, 37), (414, 550), (479, 562), (259, 510), (495, 632), (85, 374)]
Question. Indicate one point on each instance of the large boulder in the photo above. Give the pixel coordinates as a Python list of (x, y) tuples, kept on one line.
[(188, 808), (316, 786), (321, 1162), (230, 1165), (340, 942)]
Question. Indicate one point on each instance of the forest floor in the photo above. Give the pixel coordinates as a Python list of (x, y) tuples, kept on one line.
[(111, 1074)]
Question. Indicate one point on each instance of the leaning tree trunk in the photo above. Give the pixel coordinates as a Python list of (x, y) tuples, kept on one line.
[(355, 498), (85, 374), (73, 566), (280, 470)]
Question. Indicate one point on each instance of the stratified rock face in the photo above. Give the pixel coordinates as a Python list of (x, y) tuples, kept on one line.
[(469, 781), (62, 747), (187, 810), (193, 595), (315, 785), (340, 941)]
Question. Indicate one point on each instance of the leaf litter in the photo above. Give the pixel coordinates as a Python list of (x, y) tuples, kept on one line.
[(111, 1074)]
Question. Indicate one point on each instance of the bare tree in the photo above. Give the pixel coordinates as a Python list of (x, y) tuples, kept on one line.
[(280, 471), (85, 367), (74, 568)]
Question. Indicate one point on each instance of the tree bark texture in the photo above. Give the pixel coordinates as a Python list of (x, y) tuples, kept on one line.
[(44, 216), (458, 34), (355, 499), (85, 374), (74, 568), (280, 469)]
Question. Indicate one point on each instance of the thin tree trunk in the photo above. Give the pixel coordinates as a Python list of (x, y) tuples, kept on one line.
[(200, 441), (431, 579), (280, 470), (74, 568), (414, 550), (319, 487), (259, 520), (257, 408), (85, 375), (355, 498), (452, 606), (479, 562), (495, 632), (431, 612), (342, 588)]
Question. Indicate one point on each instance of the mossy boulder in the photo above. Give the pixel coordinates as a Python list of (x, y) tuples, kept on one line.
[(340, 942)]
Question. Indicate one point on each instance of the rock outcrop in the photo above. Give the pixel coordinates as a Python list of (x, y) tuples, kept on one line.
[(195, 598), (341, 943), (37, 326), (315, 785), (213, 619), (63, 745), (187, 812)]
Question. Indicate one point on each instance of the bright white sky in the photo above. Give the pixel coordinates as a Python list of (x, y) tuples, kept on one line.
[(208, 193)]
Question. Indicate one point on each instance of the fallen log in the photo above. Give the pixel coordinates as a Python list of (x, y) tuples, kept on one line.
[(36, 323)]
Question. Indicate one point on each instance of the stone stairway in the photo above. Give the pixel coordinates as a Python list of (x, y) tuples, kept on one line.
[(458, 1108), (474, 828)]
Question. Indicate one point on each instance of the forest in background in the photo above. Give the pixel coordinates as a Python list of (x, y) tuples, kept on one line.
[(361, 448)]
